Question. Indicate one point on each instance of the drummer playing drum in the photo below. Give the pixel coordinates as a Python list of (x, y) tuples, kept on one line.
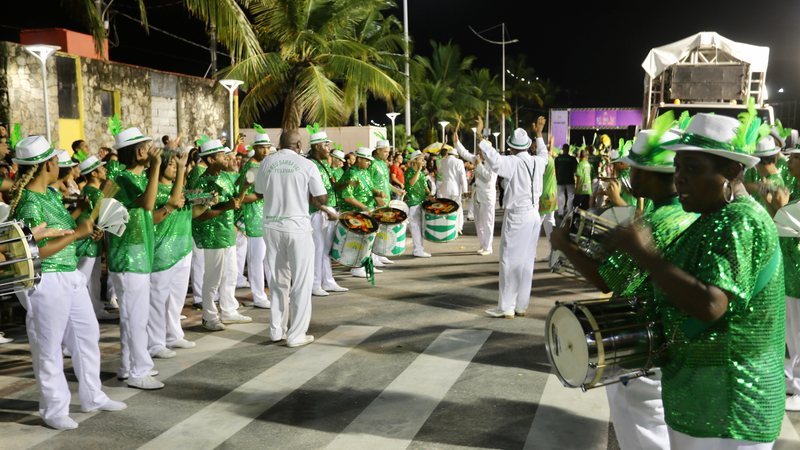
[(636, 408)]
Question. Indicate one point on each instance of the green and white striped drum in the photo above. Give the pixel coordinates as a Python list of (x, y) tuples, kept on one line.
[(440, 219), (391, 237), (353, 239)]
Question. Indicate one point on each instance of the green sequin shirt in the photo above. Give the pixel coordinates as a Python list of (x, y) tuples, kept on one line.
[(113, 169), (89, 248), (133, 251), (361, 192), (173, 235), (379, 172), (252, 214), (34, 208), (728, 381), (790, 248), (415, 193), (326, 173), (219, 231)]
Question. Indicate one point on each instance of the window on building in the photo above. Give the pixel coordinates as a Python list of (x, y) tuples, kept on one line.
[(107, 106), (67, 88)]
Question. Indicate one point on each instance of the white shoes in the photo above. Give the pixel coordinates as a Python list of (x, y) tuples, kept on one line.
[(376, 262), (4, 339), (385, 260), (319, 292), (122, 376), (110, 405), (483, 252), (165, 353), (305, 340), (335, 288), (182, 317), (265, 305), (359, 272), (497, 313), (422, 255), (213, 325), (61, 423), (113, 303), (182, 343), (146, 382), (282, 338), (235, 318), (793, 403)]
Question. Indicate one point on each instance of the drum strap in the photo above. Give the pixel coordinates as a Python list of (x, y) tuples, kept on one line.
[(692, 327)]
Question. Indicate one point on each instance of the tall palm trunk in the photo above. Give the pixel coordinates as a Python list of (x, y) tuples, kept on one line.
[(292, 114)]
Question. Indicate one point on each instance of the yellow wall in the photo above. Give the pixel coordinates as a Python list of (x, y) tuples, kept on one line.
[(70, 130)]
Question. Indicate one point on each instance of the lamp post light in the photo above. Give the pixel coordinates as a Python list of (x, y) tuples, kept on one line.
[(495, 134), (474, 139), (392, 116), (231, 86), (42, 52), (444, 124)]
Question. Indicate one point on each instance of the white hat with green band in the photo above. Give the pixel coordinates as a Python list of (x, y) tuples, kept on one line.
[(129, 137), (262, 138), (33, 150), (317, 136), (210, 146), (64, 160), (721, 136), (90, 164), (648, 151), (364, 152), (766, 147)]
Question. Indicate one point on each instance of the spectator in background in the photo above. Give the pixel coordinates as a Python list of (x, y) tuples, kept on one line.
[(583, 181), (396, 172), (566, 165), (80, 145)]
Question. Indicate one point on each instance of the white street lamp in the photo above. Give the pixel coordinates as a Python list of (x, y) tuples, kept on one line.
[(444, 124), (231, 86), (495, 134), (393, 115), (42, 52), (408, 71), (474, 139)]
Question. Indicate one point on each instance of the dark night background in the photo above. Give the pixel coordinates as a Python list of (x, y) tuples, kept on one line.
[(591, 50)]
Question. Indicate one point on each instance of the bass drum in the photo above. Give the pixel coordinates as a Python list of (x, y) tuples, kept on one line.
[(353, 239)]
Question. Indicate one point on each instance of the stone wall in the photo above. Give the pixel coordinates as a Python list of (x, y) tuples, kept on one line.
[(156, 102)]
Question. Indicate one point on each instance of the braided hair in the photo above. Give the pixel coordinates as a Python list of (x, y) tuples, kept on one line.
[(21, 180)]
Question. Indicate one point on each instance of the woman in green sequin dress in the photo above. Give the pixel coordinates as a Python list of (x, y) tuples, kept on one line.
[(720, 291)]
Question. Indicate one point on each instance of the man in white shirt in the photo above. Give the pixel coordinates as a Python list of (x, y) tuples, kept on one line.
[(287, 181), (485, 197), (522, 182), (453, 182)]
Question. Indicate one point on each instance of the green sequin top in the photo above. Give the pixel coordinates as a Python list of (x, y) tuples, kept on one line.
[(728, 381), (337, 173), (219, 231), (379, 172), (193, 177), (133, 251), (326, 173), (34, 208), (89, 248), (623, 275), (361, 192), (252, 214), (173, 235), (548, 201), (790, 248), (113, 169), (416, 193)]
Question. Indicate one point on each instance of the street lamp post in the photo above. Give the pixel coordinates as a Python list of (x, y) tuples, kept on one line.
[(408, 72), (393, 115), (42, 52), (474, 139), (501, 43), (231, 86), (444, 124)]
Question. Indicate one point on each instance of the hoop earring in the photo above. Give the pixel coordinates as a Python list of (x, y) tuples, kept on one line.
[(727, 186)]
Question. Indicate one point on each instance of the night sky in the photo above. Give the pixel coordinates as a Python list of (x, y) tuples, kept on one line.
[(592, 50)]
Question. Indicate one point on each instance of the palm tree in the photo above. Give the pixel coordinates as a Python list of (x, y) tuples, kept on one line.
[(309, 48), (490, 90)]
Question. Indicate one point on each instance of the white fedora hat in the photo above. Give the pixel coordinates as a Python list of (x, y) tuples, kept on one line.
[(89, 164), (713, 134), (338, 154), (649, 154), (766, 147), (33, 150), (64, 160), (364, 152), (382, 143), (413, 155), (128, 137), (519, 140), (262, 138), (212, 146)]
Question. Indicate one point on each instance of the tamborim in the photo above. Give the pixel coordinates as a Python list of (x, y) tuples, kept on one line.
[(440, 218), (353, 238), (592, 343), (20, 266)]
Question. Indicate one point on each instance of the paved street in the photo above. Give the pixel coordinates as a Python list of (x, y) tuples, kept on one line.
[(412, 362)]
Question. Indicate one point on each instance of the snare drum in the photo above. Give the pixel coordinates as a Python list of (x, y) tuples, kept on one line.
[(593, 343), (390, 240), (440, 218), (353, 238), (20, 268)]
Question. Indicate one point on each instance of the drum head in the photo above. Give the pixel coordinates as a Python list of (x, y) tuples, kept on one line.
[(389, 215), (358, 223), (440, 206), (23, 271), (399, 204), (618, 215), (566, 346)]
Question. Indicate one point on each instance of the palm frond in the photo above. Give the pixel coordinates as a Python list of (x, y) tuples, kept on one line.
[(318, 96)]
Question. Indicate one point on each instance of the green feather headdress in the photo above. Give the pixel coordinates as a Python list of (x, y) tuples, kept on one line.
[(409, 149), (15, 136), (783, 133), (750, 130), (203, 139), (339, 147), (114, 125), (313, 128), (653, 152), (684, 120), (259, 129), (661, 125)]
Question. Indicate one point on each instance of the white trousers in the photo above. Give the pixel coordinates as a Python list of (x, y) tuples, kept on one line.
[(133, 290), (680, 441), (517, 254), (638, 414), (323, 230), (219, 281), (59, 310), (548, 223), (90, 268), (198, 266), (415, 225), (167, 297), (241, 257), (792, 367), (484, 224), (460, 216), (291, 258), (566, 192), (257, 268)]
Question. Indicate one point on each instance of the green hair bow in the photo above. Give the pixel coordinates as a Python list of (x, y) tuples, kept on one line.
[(259, 129)]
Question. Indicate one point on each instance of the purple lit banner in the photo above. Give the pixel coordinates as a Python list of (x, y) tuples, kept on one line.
[(604, 118), (559, 126)]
